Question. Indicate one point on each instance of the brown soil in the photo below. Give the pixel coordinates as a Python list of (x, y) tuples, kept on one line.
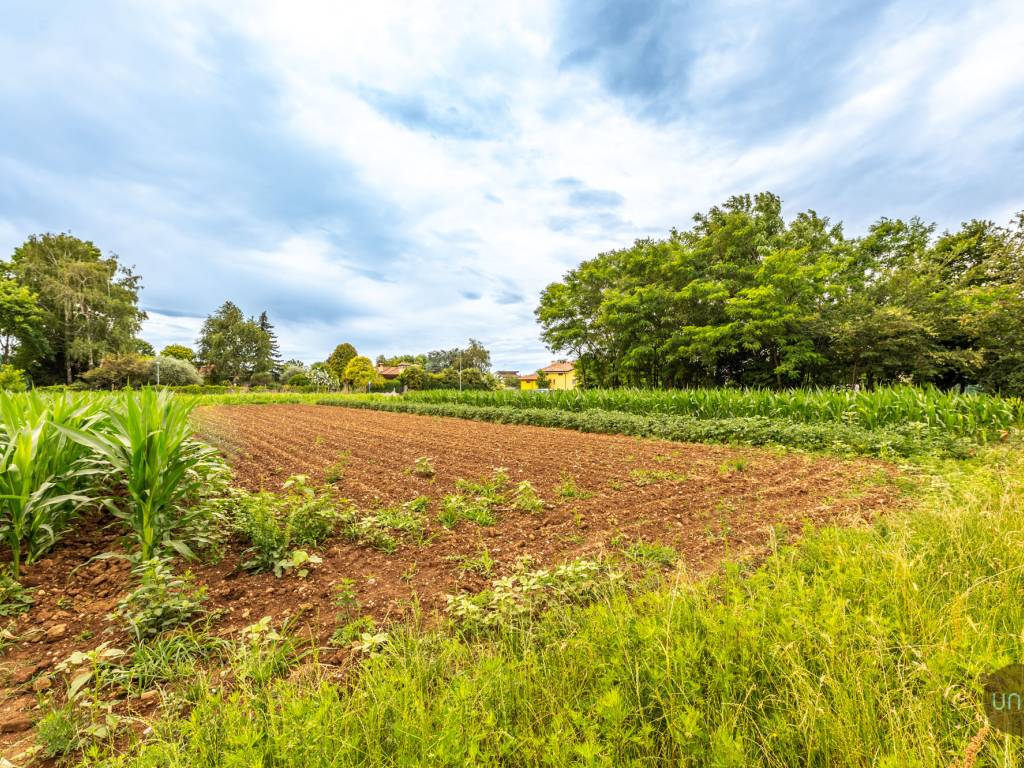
[(710, 502)]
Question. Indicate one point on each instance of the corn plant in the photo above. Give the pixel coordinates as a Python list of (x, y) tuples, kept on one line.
[(149, 447), (42, 473)]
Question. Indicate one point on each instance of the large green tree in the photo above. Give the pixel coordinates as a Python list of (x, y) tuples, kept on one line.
[(339, 360), (89, 302), (233, 347), (21, 321), (745, 297)]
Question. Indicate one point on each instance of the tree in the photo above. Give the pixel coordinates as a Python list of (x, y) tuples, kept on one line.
[(414, 377), (543, 382), (232, 346), (180, 352), (143, 347), (11, 379), (21, 320), (474, 355), (271, 359), (359, 372), (90, 303), (339, 360)]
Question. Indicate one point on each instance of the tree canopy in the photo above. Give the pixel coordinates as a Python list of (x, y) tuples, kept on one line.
[(235, 348), (359, 372), (743, 297), (339, 359), (89, 304)]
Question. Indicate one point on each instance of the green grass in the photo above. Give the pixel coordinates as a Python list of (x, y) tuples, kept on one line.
[(854, 647)]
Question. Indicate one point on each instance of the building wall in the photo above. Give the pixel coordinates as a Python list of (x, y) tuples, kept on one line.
[(527, 384), (562, 380)]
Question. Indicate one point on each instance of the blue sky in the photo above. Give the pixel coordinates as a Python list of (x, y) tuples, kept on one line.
[(404, 176)]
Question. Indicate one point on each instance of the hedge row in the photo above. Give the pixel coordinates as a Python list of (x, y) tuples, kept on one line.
[(910, 440)]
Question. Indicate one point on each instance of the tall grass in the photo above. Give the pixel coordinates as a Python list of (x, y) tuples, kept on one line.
[(977, 416), (854, 647)]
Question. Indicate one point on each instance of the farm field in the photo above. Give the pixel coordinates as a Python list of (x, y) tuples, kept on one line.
[(644, 502)]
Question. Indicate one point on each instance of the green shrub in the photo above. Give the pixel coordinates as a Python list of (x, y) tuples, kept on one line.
[(14, 598), (11, 379), (526, 499), (277, 527), (163, 600), (455, 508)]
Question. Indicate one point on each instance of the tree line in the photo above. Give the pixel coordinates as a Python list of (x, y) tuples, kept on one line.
[(745, 298)]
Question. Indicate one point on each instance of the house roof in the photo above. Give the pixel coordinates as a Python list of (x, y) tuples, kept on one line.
[(528, 377), (559, 368), (392, 370), (506, 373)]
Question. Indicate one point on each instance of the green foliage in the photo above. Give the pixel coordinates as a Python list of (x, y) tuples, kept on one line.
[(163, 600), (568, 489), (526, 499), (88, 302), (339, 360), (57, 732), (12, 379), (233, 347), (173, 372), (179, 352), (455, 508), (21, 323), (150, 450), (42, 474), (644, 477), (743, 297), (511, 602), (118, 371), (279, 526), (14, 598), (649, 553), (359, 372), (423, 467), (414, 377)]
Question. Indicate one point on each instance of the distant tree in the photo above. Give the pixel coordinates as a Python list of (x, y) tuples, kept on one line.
[(543, 382), (173, 372), (474, 355), (414, 377), (232, 346), (320, 376), (510, 381), (299, 380), (339, 360), (90, 303), (143, 347), (118, 371), (271, 352), (359, 372), (179, 351), (290, 371), (21, 320)]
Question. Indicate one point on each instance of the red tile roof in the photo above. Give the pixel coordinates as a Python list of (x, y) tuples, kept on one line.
[(528, 377), (559, 368), (392, 371)]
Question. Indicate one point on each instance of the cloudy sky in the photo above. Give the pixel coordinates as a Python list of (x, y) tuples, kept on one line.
[(406, 175)]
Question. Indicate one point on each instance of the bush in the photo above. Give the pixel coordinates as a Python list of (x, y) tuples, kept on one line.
[(298, 380), (262, 379), (12, 379), (174, 372)]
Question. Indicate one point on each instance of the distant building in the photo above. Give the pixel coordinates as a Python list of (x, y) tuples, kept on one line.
[(392, 371), (504, 374), (528, 382), (561, 375)]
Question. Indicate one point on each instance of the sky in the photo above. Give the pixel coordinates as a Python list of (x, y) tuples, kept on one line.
[(405, 175)]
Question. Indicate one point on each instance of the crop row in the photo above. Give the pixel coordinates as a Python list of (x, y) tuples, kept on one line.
[(978, 416), (905, 440)]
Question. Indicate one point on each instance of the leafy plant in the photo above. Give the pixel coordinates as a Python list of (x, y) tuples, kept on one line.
[(151, 448), (163, 600), (455, 508), (278, 527), (14, 598), (644, 477), (568, 489), (57, 732), (423, 467), (525, 498)]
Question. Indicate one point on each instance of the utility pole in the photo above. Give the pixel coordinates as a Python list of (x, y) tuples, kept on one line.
[(157, 371), (460, 370)]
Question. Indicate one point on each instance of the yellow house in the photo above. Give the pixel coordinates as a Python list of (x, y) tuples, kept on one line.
[(528, 382), (561, 375)]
